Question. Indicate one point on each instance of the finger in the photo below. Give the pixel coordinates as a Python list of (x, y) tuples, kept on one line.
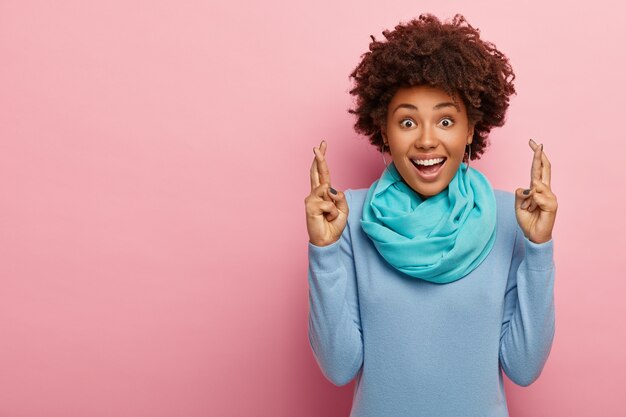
[(541, 188), (329, 208), (545, 202), (315, 178), (546, 171), (322, 167), (545, 163), (317, 196), (535, 169), (521, 198), (340, 200), (527, 203), (539, 193), (322, 170), (322, 208), (321, 191)]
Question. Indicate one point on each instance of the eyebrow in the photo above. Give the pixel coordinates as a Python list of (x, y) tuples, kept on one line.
[(437, 107)]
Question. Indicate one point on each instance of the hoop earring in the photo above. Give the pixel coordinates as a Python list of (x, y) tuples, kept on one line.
[(387, 166)]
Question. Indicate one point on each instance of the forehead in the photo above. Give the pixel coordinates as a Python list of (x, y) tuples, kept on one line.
[(425, 94)]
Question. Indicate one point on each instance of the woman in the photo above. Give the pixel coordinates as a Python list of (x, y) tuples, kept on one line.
[(429, 283)]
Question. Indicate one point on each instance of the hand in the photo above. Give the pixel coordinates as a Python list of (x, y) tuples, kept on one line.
[(536, 211), (326, 213)]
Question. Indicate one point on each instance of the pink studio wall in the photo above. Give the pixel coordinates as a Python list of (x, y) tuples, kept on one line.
[(154, 159)]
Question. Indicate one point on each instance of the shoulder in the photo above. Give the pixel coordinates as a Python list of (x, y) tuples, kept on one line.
[(356, 194), (505, 203), (506, 219), (504, 199), (355, 197)]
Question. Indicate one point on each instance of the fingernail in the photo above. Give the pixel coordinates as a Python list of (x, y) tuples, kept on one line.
[(527, 191), (332, 190)]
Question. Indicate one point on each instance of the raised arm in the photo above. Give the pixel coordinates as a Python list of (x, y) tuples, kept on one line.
[(528, 325), (334, 321), (528, 322)]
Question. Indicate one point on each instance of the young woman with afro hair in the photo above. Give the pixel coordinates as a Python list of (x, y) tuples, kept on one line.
[(430, 283)]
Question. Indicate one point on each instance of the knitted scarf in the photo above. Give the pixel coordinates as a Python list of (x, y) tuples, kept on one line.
[(439, 239)]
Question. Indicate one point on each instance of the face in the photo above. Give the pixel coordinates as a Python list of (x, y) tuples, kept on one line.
[(423, 123)]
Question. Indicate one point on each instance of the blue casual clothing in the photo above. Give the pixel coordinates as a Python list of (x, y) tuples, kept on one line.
[(421, 349)]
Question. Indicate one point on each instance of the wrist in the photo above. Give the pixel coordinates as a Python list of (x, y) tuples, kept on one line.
[(539, 256), (540, 240), (322, 244), (324, 258)]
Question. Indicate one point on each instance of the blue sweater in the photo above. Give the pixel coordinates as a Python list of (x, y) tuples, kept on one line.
[(420, 349)]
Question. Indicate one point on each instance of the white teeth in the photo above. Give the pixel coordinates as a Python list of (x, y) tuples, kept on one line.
[(427, 162)]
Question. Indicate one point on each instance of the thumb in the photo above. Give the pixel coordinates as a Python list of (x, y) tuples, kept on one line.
[(520, 197), (339, 199)]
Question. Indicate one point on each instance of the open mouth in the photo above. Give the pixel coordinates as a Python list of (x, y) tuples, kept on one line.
[(429, 170)]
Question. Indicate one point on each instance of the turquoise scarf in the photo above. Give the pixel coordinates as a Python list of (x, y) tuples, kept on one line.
[(439, 239)]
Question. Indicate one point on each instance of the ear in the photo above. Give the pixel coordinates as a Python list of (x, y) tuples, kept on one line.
[(383, 132), (470, 134)]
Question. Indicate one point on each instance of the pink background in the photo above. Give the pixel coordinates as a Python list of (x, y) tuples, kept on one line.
[(154, 160)]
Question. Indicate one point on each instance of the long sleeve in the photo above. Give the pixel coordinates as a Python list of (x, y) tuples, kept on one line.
[(528, 324), (334, 322)]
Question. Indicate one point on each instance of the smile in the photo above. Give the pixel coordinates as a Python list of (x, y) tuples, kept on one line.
[(429, 170)]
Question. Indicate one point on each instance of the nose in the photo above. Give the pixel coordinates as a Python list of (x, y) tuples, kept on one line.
[(426, 139)]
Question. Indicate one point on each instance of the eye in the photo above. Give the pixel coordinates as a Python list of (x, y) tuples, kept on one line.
[(409, 121), (447, 121)]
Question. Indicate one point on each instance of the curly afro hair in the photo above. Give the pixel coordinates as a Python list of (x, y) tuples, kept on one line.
[(450, 56)]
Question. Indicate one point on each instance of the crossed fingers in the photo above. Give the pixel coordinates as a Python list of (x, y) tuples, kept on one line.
[(540, 173), (320, 174)]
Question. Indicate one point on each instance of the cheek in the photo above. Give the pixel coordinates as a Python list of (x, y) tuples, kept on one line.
[(401, 148)]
